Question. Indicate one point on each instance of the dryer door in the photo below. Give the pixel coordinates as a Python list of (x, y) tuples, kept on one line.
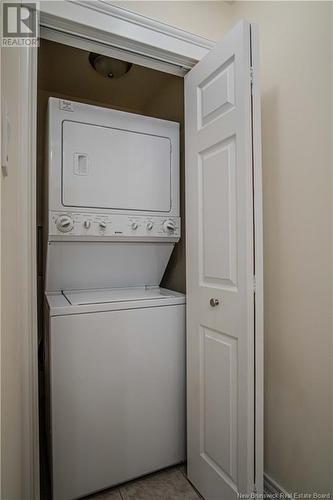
[(110, 168)]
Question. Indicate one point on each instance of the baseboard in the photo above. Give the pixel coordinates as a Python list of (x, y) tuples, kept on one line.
[(272, 487)]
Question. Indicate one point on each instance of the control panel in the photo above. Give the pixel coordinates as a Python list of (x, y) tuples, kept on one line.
[(112, 226)]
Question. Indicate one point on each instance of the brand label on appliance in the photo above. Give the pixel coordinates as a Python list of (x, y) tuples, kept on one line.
[(66, 105)]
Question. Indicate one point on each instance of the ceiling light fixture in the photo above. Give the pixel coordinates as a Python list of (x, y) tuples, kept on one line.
[(109, 67)]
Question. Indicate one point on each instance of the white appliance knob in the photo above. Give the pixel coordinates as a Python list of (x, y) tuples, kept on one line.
[(86, 224), (150, 226), (169, 226), (135, 226), (102, 224), (64, 223)]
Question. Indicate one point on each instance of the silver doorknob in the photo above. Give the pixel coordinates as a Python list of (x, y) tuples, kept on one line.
[(214, 302)]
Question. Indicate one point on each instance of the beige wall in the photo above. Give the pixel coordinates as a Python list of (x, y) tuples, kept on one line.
[(11, 382), (297, 135), (296, 60), (204, 18)]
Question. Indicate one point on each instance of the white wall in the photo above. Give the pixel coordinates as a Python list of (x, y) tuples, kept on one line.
[(296, 62), (11, 383)]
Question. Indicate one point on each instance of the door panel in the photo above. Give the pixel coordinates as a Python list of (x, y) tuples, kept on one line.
[(220, 255), (219, 403), (216, 94), (217, 197)]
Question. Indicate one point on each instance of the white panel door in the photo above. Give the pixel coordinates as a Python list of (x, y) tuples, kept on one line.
[(220, 270)]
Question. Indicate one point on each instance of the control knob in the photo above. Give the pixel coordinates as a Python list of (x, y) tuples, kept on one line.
[(86, 224), (135, 226), (150, 226), (64, 223), (102, 225), (169, 226)]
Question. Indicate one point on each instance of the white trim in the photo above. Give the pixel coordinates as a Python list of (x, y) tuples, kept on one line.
[(100, 21), (259, 272), (27, 214), (1, 175), (273, 487), (147, 22)]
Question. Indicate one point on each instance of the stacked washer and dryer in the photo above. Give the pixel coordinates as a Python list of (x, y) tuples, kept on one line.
[(115, 339)]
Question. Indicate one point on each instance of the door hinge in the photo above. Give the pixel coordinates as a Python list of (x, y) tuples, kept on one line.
[(254, 284)]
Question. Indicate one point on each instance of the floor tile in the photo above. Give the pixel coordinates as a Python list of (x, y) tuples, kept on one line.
[(106, 495), (167, 485), (182, 468)]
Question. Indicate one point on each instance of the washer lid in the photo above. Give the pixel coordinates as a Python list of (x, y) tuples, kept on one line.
[(104, 296), (88, 265)]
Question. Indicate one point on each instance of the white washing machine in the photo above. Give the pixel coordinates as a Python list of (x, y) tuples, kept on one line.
[(115, 339)]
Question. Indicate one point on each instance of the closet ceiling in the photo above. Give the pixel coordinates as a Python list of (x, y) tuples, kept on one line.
[(64, 67)]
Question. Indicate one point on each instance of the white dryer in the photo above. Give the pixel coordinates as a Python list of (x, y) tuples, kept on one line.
[(115, 339)]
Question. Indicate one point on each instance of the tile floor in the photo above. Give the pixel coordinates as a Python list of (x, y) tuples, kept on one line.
[(170, 484)]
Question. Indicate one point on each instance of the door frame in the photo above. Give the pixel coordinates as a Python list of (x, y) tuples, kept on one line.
[(100, 26), (87, 24)]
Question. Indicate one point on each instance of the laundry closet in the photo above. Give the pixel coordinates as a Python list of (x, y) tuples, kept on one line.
[(102, 163), (147, 354)]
